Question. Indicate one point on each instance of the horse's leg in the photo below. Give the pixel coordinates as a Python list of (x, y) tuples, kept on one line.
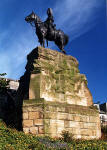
[(40, 40), (63, 51), (43, 42), (62, 45), (61, 48), (47, 42)]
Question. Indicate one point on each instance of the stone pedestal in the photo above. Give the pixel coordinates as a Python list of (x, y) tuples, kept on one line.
[(58, 97), (56, 77)]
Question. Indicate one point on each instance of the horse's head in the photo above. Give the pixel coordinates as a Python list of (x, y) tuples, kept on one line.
[(30, 18)]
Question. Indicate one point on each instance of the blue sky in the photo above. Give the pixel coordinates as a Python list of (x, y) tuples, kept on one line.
[(83, 20)]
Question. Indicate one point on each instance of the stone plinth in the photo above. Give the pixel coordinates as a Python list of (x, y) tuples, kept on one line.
[(51, 118), (56, 77)]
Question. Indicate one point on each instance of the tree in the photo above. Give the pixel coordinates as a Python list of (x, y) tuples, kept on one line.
[(4, 84)]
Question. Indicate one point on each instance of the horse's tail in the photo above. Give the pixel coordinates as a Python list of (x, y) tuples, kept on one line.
[(66, 39)]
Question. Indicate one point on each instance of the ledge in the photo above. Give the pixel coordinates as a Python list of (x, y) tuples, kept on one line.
[(61, 107), (33, 102)]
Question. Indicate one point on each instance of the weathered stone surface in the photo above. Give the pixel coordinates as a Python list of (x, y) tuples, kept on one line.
[(41, 130), (59, 98), (83, 122), (33, 115), (26, 130), (33, 130), (25, 115), (55, 77), (27, 123), (38, 122)]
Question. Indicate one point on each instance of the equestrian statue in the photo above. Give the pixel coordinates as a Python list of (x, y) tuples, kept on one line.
[(47, 30)]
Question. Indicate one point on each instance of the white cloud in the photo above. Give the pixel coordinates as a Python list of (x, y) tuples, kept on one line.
[(78, 16)]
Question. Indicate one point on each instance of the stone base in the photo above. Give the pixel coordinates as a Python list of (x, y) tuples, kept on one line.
[(59, 98), (51, 118)]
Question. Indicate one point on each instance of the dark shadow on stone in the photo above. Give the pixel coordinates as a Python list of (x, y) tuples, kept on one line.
[(23, 90), (11, 105)]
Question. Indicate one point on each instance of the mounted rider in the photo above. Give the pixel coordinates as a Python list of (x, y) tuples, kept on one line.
[(49, 23), (46, 30)]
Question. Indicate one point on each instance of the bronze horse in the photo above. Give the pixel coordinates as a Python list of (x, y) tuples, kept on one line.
[(42, 32)]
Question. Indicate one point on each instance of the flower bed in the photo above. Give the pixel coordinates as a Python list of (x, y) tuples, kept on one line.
[(10, 139)]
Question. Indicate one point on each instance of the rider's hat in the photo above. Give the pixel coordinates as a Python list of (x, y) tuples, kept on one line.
[(49, 12)]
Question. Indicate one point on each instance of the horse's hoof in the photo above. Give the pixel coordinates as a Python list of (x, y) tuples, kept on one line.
[(63, 52)]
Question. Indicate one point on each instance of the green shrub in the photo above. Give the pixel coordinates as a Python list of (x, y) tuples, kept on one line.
[(3, 83), (104, 132), (67, 137), (104, 129)]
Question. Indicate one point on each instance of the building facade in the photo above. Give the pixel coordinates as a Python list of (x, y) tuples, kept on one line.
[(102, 112)]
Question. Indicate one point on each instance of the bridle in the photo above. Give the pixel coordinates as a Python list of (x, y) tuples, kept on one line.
[(31, 23)]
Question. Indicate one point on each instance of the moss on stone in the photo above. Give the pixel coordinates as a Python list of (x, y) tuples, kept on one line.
[(37, 70), (39, 100), (70, 108), (57, 106)]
